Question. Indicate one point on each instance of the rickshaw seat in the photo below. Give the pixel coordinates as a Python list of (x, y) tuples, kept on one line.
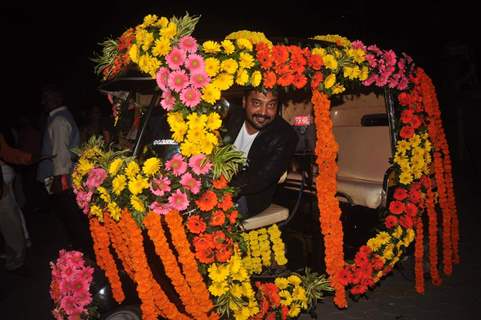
[(363, 160), (273, 214)]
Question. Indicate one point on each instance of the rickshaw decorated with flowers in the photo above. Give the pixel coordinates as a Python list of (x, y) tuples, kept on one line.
[(183, 203)]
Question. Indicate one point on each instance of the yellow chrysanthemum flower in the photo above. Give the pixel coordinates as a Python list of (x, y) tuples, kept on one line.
[(295, 280), (97, 212), (162, 22), (161, 47), (286, 298), (228, 46), (242, 77), (151, 166), (179, 132), (398, 232), (114, 211), (83, 166), (147, 41), (364, 73), (236, 290), (218, 273), (149, 20), (330, 81), (213, 122), (115, 166), (229, 66), (138, 184), (132, 169), (243, 43), (187, 149), (137, 203), (170, 31), (210, 94), (281, 283), (223, 81), (246, 60), (330, 61), (118, 184), (383, 237), (294, 311), (338, 88), (211, 46), (104, 194), (374, 244), (212, 66), (256, 78), (218, 288)]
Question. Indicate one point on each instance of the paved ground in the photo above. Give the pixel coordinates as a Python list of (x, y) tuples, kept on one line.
[(26, 296)]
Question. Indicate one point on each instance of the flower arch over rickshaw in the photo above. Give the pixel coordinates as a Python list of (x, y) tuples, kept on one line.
[(185, 204)]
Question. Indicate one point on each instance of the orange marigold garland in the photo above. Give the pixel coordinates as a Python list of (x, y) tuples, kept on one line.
[(419, 255), (162, 248), (433, 236), (326, 151), (443, 174), (189, 265), (119, 244), (104, 258), (154, 300)]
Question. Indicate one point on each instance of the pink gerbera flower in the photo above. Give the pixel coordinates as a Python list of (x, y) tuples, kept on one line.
[(194, 63), (199, 79), (160, 208), (168, 100), (190, 97), (160, 186), (162, 77), (190, 183), (178, 200), (188, 44), (199, 164), (178, 80), (177, 165), (175, 58), (95, 178)]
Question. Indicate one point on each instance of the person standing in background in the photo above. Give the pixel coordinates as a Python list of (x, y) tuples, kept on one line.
[(60, 136)]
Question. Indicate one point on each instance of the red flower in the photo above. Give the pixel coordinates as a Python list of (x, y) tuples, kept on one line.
[(233, 216), (217, 218), (404, 99), (361, 259), (415, 195), (344, 276), (407, 116), (359, 289), (391, 221), (285, 80), (400, 194), (280, 54), (299, 80), (264, 56), (411, 209), (223, 254), (415, 121), (407, 132), (396, 207), (315, 62), (196, 224), (426, 182), (406, 222), (220, 183), (226, 202), (269, 79), (377, 263), (207, 201), (316, 80), (203, 241), (206, 255), (219, 239)]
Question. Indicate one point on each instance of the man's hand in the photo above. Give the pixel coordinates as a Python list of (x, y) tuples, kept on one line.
[(56, 185)]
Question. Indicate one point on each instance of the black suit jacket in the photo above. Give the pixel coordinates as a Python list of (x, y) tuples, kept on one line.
[(268, 158)]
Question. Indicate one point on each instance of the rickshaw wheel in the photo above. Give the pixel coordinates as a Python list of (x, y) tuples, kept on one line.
[(124, 313)]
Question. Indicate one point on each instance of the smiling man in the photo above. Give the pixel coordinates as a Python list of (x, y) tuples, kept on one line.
[(268, 142)]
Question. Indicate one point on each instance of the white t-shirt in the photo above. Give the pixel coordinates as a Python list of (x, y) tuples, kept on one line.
[(244, 140)]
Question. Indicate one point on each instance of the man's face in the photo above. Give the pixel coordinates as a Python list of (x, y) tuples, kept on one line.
[(261, 109), (50, 100)]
